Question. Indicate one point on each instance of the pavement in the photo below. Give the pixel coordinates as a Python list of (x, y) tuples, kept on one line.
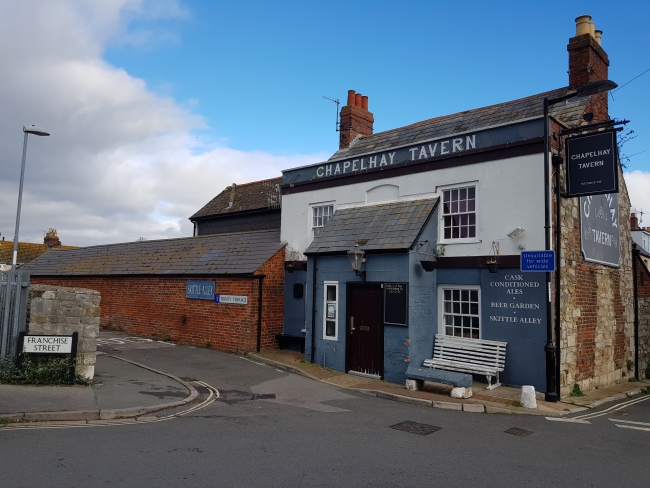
[(126, 389)]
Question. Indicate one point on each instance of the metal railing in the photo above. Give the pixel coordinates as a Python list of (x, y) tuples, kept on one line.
[(14, 291)]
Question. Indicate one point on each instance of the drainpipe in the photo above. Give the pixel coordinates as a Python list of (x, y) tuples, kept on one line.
[(260, 281), (635, 256), (313, 311)]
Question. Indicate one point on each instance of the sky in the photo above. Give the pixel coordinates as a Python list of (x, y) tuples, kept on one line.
[(155, 106)]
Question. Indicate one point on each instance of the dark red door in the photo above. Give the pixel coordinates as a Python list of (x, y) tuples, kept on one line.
[(365, 326)]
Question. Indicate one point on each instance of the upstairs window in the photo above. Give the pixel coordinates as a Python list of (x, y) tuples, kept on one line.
[(320, 215), (459, 213)]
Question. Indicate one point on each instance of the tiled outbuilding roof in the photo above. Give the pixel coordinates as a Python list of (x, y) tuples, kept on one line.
[(27, 251), (568, 112), (258, 195), (235, 253), (385, 227)]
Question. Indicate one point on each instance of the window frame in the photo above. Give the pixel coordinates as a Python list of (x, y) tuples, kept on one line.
[(312, 217), (326, 302), (442, 327), (461, 186)]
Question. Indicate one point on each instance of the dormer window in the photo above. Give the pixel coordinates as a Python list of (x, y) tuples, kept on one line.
[(320, 215)]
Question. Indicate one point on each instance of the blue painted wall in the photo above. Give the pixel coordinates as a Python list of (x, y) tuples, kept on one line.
[(294, 308), (512, 310), (503, 318)]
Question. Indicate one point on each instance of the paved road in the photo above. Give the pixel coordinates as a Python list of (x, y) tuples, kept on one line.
[(268, 428)]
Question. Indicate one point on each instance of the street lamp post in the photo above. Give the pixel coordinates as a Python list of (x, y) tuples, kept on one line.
[(552, 359), (5, 333), (37, 131)]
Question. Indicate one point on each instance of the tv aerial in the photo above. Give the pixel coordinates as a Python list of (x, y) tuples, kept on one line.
[(337, 102)]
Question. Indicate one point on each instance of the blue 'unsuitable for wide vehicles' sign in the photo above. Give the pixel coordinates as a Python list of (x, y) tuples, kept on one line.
[(541, 261)]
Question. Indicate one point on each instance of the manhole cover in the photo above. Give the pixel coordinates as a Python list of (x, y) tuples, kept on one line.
[(518, 432), (415, 427), (263, 396)]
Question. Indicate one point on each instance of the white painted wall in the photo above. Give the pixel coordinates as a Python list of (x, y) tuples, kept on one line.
[(510, 194)]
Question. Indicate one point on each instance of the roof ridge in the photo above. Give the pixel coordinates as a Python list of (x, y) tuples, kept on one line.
[(540, 96)]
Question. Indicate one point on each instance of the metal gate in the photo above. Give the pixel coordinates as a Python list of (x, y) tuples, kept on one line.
[(14, 291)]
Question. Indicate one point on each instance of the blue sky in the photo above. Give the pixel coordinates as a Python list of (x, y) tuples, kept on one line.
[(156, 105)]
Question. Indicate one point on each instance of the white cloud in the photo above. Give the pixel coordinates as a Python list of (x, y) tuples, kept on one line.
[(122, 162), (638, 186)]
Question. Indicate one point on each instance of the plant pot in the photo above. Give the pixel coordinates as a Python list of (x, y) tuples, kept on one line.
[(492, 267), (429, 265)]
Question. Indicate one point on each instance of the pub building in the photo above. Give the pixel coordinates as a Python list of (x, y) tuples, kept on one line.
[(420, 230)]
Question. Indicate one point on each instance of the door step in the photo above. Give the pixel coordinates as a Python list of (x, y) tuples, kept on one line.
[(365, 375)]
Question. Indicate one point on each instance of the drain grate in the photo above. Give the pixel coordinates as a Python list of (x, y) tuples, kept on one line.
[(518, 432), (415, 427)]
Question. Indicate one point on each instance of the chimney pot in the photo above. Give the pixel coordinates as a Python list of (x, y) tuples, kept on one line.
[(599, 35), (582, 25), (351, 97), (357, 100), (364, 102)]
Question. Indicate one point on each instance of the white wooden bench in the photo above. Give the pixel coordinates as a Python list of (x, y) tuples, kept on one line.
[(473, 356)]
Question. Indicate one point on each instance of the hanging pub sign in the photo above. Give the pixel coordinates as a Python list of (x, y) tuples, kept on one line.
[(599, 229), (591, 164)]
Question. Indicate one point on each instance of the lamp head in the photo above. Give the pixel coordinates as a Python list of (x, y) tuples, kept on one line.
[(37, 131), (595, 87)]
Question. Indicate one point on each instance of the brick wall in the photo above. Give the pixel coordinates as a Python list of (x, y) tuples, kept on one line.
[(597, 306), (155, 306)]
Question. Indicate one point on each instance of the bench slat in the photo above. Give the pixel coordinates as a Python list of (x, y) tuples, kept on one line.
[(463, 340)]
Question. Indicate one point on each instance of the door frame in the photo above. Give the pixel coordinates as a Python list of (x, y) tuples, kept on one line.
[(348, 296)]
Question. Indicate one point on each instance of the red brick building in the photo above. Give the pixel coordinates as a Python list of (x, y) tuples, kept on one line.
[(166, 288)]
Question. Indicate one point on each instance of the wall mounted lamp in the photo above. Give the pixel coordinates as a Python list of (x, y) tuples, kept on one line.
[(357, 257)]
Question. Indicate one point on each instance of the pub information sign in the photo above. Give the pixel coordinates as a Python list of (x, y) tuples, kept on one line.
[(591, 164), (395, 303)]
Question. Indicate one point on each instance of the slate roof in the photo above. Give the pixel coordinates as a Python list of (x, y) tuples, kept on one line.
[(27, 251), (387, 227), (235, 253), (258, 195), (568, 112)]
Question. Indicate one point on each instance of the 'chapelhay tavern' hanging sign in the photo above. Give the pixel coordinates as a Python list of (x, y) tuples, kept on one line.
[(591, 164)]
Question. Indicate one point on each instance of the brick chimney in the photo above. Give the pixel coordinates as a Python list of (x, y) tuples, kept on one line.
[(634, 222), (51, 239), (588, 62), (355, 119)]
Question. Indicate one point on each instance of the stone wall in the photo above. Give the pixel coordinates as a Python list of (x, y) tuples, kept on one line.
[(597, 306), (55, 310), (643, 309)]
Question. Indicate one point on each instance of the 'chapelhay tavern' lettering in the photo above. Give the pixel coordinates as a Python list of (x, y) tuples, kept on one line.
[(401, 156)]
